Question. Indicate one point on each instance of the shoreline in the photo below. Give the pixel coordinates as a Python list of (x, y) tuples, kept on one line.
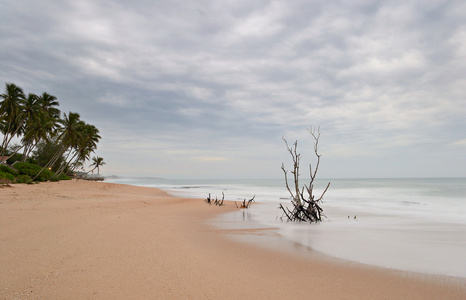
[(97, 240), (367, 240)]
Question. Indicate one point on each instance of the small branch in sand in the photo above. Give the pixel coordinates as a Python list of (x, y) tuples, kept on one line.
[(245, 203), (217, 202)]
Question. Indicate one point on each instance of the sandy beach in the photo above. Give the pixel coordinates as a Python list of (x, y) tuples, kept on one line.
[(93, 240)]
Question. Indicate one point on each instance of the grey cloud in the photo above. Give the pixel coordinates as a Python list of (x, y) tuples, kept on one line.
[(378, 77)]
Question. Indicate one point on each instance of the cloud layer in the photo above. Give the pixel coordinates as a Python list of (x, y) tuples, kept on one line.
[(207, 89)]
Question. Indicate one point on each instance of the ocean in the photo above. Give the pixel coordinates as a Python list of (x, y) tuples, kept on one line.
[(410, 224)]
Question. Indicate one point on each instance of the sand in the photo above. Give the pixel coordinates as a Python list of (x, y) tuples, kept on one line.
[(93, 240)]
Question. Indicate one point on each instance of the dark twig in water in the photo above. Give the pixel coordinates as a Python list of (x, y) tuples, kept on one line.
[(245, 203)]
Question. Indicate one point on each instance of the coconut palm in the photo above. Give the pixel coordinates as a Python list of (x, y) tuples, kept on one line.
[(44, 124), (11, 100), (42, 129), (78, 165), (97, 162), (87, 143), (48, 103), (10, 110), (27, 116), (30, 109), (69, 135)]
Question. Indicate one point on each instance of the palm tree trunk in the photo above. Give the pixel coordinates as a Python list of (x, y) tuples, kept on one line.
[(34, 144), (4, 146), (25, 151), (16, 151), (74, 162), (4, 142), (53, 160), (65, 165)]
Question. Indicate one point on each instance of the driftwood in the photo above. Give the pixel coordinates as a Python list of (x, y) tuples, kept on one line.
[(305, 208), (245, 204), (218, 202)]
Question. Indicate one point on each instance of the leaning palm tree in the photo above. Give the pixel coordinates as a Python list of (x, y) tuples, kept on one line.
[(69, 135), (27, 116), (46, 124), (78, 165), (97, 162), (10, 109), (87, 143), (48, 103), (42, 129)]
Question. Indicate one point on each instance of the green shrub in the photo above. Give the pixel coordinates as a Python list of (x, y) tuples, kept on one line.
[(64, 177), (23, 179), (6, 177), (7, 169), (16, 157), (32, 170), (44, 151), (27, 168)]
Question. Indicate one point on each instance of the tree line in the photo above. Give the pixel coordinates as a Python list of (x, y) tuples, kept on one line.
[(67, 142)]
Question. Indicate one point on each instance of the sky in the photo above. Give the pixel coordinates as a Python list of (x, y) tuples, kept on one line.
[(207, 89)]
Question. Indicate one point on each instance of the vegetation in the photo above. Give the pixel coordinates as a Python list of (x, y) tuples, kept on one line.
[(305, 208), (7, 169), (44, 152), (23, 179), (33, 171), (6, 178), (51, 146), (97, 162)]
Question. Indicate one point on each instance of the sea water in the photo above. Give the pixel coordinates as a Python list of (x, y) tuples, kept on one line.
[(415, 224)]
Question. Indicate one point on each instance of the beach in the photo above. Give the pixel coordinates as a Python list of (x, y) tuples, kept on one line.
[(98, 240)]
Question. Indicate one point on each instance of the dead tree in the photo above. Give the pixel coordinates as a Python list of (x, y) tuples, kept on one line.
[(305, 208), (245, 203), (218, 202), (208, 200)]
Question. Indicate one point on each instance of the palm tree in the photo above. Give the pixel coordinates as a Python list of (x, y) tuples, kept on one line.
[(10, 109), (78, 165), (27, 116), (42, 129), (48, 103), (87, 143), (69, 135), (30, 109), (43, 126), (97, 162)]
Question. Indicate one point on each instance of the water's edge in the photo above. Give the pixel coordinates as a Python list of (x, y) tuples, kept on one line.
[(246, 226)]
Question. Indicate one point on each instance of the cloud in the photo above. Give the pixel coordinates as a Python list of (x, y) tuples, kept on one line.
[(209, 158), (228, 80), (459, 143)]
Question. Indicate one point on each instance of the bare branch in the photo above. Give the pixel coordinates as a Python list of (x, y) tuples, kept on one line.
[(305, 208)]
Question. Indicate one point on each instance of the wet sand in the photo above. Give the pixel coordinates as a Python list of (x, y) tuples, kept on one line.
[(395, 242), (92, 240)]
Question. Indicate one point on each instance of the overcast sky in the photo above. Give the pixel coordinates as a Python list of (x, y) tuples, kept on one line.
[(207, 89)]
